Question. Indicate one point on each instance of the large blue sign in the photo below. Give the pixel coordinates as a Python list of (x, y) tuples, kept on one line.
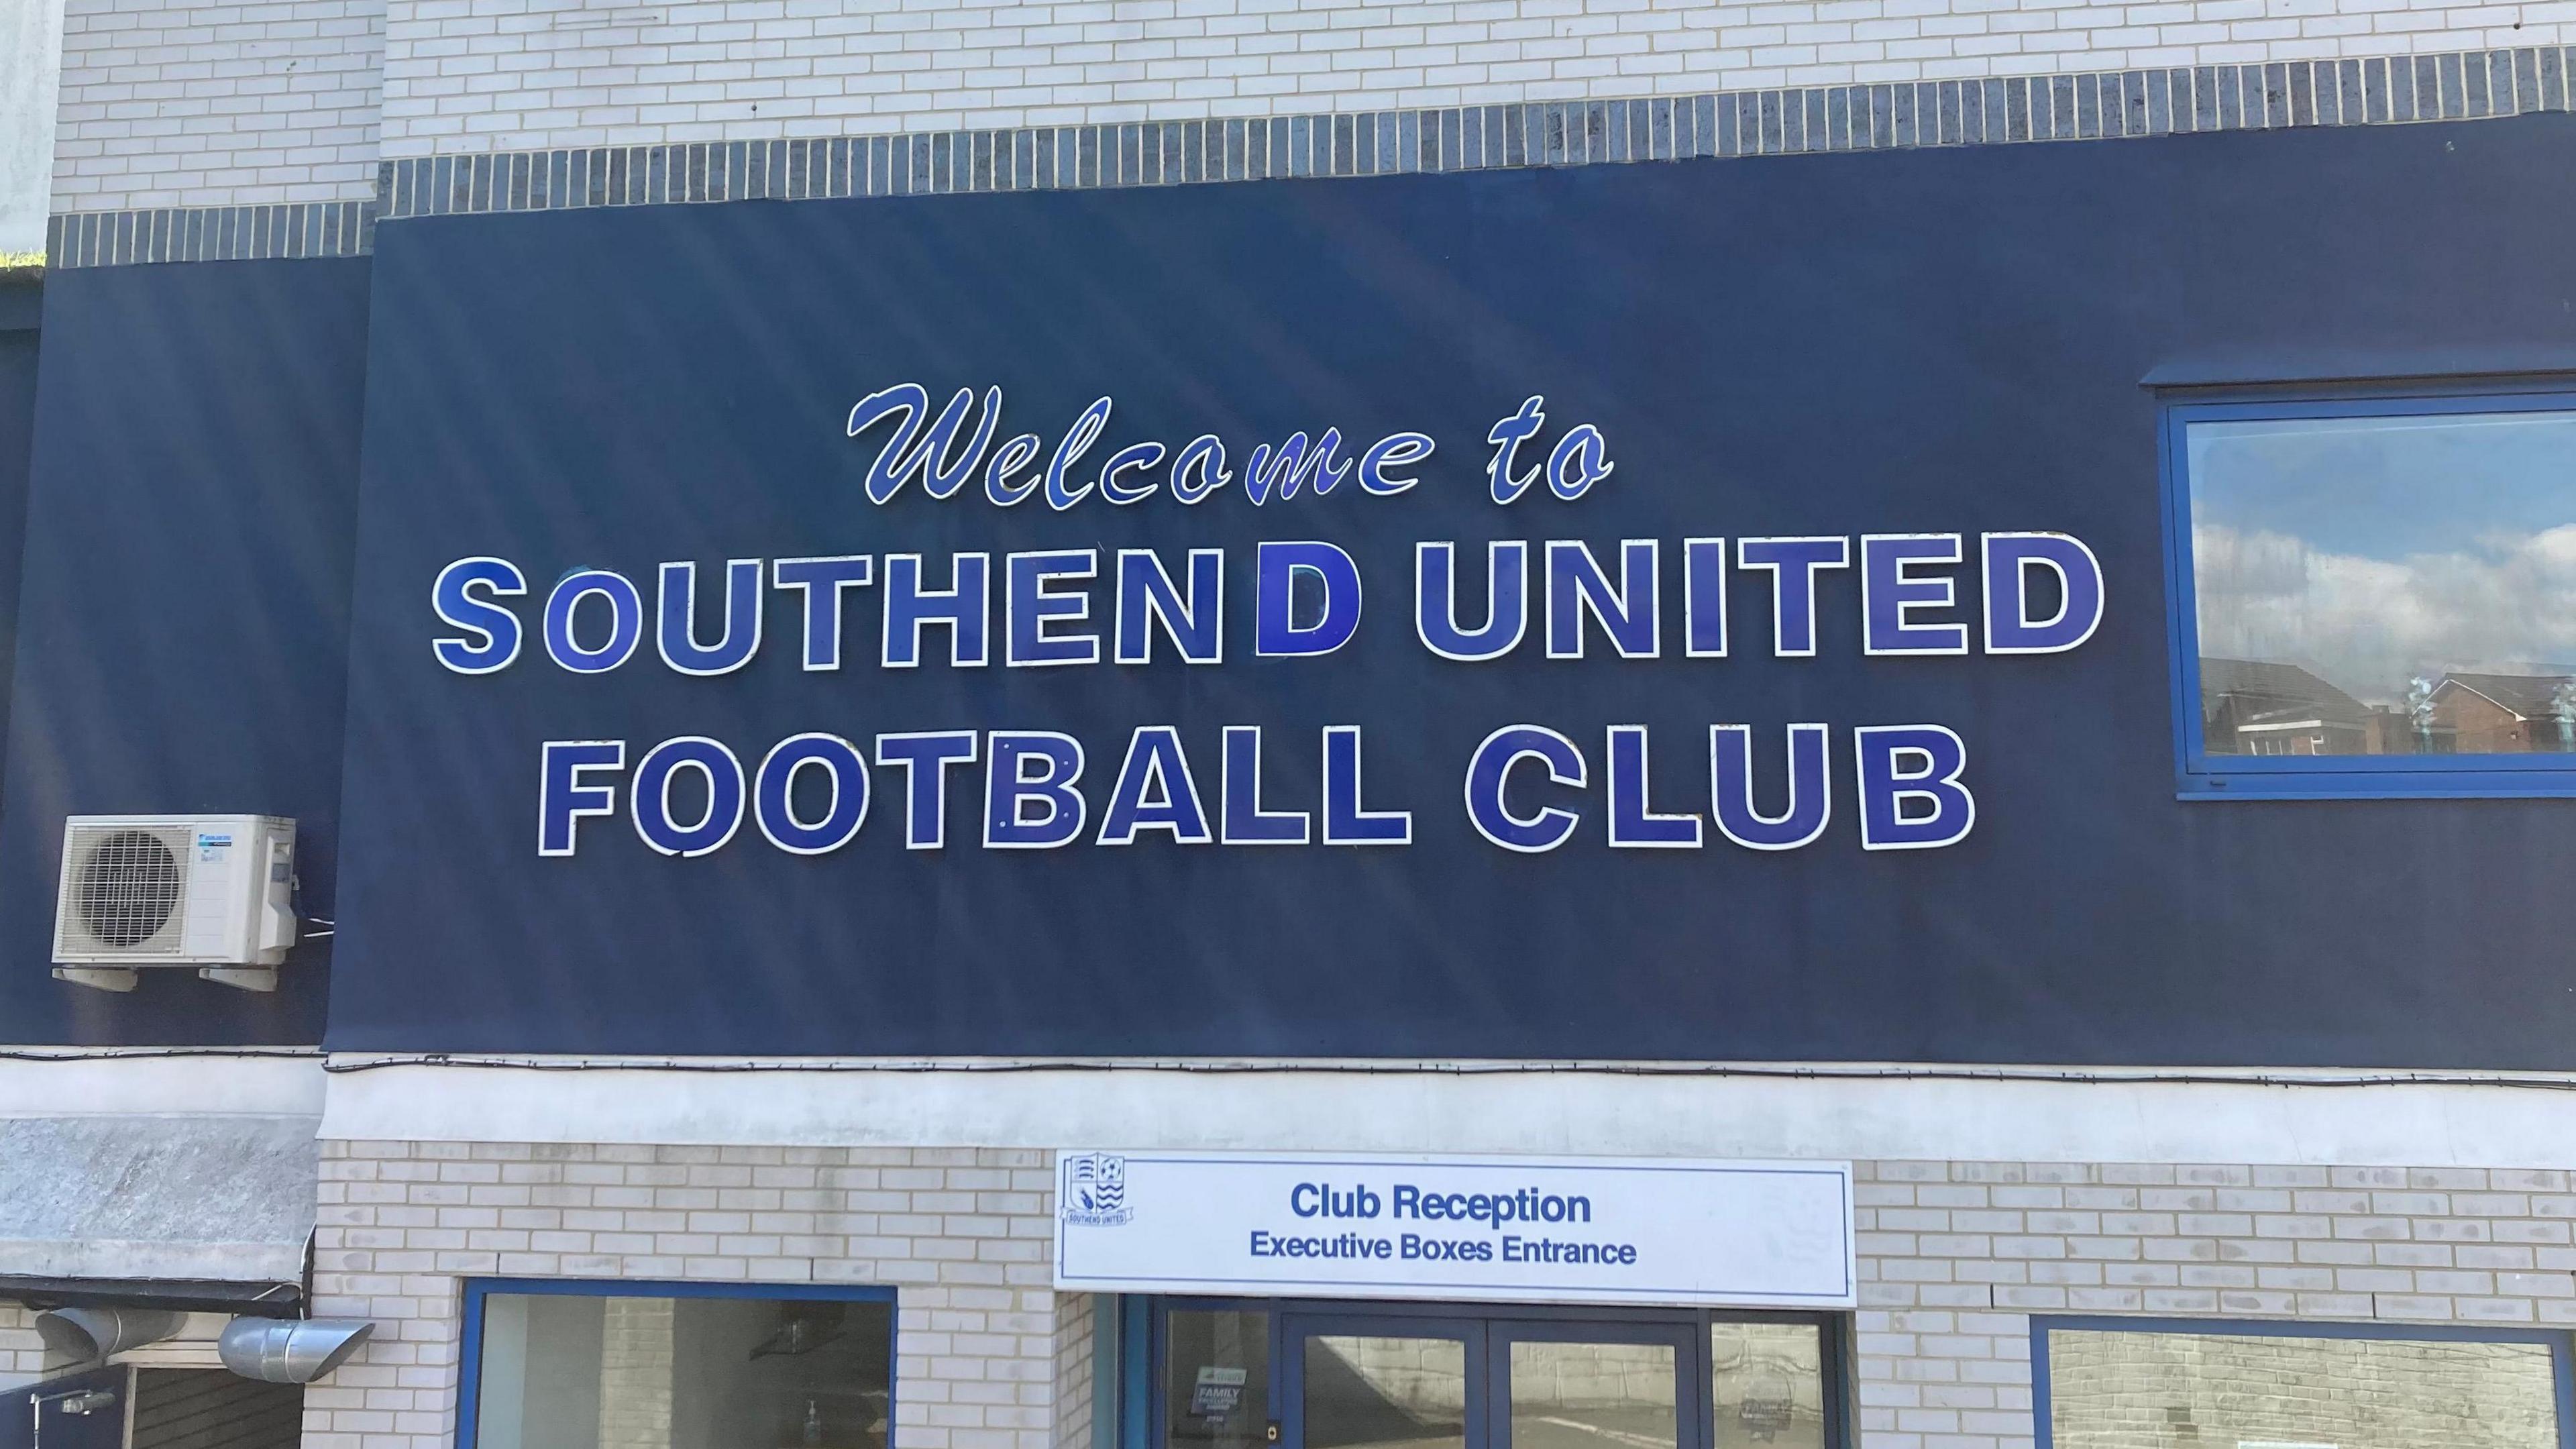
[(1703, 611), (810, 792)]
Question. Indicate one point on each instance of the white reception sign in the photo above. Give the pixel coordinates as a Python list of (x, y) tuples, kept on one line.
[(1516, 1229)]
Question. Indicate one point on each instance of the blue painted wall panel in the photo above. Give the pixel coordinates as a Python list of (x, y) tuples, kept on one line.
[(1930, 341), (184, 613), (21, 307)]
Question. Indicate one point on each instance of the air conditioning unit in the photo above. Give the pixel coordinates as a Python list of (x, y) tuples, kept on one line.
[(209, 891)]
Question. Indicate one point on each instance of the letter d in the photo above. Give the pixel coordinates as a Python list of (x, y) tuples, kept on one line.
[(1281, 567)]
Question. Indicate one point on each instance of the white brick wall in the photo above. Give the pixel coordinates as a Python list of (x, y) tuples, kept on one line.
[(227, 102), (217, 102), (22, 1353), (1077, 1364), (960, 1233), (1954, 1257), (474, 75)]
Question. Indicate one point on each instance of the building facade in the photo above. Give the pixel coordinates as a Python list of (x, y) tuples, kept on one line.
[(1190, 723)]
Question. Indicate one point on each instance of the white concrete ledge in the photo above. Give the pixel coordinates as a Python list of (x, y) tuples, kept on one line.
[(2033, 1114), (129, 1260), (147, 1081), (157, 1196)]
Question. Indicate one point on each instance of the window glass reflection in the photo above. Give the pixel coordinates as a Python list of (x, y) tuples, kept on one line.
[(2386, 585), (2211, 1391), (1770, 1384), (1216, 1379), (569, 1371), (1593, 1396), (1367, 1392)]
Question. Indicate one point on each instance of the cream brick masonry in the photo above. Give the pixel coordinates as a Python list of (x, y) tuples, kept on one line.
[(1954, 1257), (476, 75), (22, 1353), (217, 102), (234, 102), (987, 1356)]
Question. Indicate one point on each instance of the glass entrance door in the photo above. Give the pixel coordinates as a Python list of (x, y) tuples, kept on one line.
[(1416, 1382), (1351, 1381), (1278, 1374), (1561, 1385)]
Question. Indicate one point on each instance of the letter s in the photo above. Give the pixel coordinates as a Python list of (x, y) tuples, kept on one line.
[(495, 630)]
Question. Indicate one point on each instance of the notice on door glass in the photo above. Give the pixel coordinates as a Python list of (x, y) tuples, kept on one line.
[(1523, 1229)]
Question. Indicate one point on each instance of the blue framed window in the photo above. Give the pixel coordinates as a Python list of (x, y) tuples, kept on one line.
[(2116, 1383), (570, 1364), (2373, 593)]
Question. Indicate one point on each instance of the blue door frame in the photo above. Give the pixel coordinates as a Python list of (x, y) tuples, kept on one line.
[(1487, 1329)]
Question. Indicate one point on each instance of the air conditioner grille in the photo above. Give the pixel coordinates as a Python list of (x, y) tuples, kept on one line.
[(127, 888)]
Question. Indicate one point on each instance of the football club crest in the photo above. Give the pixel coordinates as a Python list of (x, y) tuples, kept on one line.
[(1095, 1190)]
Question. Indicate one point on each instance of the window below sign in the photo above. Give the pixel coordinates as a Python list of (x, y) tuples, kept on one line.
[(2109, 1385), (557, 1365), (2375, 595), (1769, 1383)]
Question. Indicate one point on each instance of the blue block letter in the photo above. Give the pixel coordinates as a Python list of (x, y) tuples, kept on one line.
[(1032, 768), (1155, 792), (845, 806), (495, 645), (1030, 604), (1146, 596), (650, 801), (562, 798), (1489, 773), (625, 620), (1435, 600), (925, 756), (963, 607), (1321, 565), (677, 609), (821, 580), (2009, 627), (1629, 614), (1910, 795), (1811, 791), (1245, 822), (1704, 598), (1889, 594), (1348, 821), (1632, 824), (1793, 563)]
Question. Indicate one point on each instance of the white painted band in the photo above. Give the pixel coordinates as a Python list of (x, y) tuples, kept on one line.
[(1836, 1113), (63, 1082)]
